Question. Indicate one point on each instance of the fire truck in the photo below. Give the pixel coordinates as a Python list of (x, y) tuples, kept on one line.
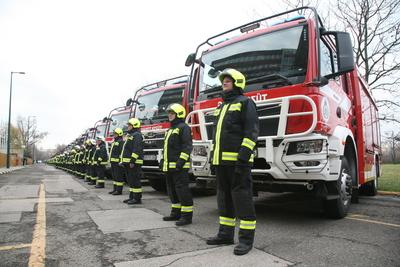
[(319, 129), (117, 118), (149, 106)]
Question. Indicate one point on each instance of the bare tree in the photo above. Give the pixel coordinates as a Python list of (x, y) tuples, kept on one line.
[(375, 28), (392, 145), (30, 134)]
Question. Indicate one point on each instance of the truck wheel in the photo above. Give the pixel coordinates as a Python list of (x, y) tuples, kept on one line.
[(158, 184), (338, 208), (371, 188)]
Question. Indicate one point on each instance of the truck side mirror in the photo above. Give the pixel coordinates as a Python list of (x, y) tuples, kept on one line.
[(129, 102), (190, 59), (344, 51)]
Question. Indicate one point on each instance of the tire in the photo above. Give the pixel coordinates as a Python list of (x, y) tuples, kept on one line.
[(158, 184), (371, 187), (339, 207)]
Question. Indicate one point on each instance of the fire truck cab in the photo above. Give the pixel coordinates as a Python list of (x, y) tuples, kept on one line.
[(319, 129), (150, 105)]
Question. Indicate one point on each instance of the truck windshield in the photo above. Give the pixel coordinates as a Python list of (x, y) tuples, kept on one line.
[(268, 60), (101, 130), (118, 121), (152, 107)]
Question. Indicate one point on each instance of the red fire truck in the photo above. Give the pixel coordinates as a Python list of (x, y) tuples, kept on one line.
[(150, 105), (117, 118), (319, 129)]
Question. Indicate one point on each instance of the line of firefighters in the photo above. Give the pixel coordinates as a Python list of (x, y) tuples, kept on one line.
[(235, 134)]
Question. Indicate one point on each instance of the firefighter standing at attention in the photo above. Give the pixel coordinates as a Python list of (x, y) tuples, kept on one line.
[(132, 160), (100, 160), (176, 164), (115, 156), (235, 136)]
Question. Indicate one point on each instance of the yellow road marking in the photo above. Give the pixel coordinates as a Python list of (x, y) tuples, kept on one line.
[(15, 247), (38, 247), (356, 218)]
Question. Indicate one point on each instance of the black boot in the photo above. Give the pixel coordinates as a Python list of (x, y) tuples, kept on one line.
[(118, 191), (99, 185), (92, 182), (224, 237), (186, 218), (115, 189), (130, 197), (134, 201), (246, 240), (175, 215)]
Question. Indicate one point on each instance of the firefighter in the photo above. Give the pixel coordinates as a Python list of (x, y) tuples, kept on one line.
[(100, 161), (91, 163), (116, 170), (132, 160), (176, 164), (235, 135), (89, 147)]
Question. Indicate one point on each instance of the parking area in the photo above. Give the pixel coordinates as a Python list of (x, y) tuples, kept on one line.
[(48, 214)]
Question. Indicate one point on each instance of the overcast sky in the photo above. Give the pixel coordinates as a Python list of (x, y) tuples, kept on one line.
[(84, 58)]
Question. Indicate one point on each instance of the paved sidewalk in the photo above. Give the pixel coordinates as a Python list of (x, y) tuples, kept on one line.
[(14, 168)]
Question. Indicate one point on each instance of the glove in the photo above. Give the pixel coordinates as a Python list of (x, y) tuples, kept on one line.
[(131, 165), (161, 164), (179, 164), (120, 164)]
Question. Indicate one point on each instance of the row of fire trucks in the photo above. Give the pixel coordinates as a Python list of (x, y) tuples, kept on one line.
[(319, 127)]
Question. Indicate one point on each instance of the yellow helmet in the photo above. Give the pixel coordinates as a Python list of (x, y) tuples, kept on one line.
[(73, 151), (134, 122), (178, 109), (118, 132), (237, 76)]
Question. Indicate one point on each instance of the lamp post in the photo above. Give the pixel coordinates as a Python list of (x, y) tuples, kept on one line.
[(9, 120)]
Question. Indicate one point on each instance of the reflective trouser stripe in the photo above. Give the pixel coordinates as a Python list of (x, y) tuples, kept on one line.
[(139, 161), (218, 135), (176, 206), (227, 221), (119, 183), (126, 160), (103, 163), (248, 225), (100, 181), (135, 190), (114, 160), (187, 209), (134, 155), (94, 178)]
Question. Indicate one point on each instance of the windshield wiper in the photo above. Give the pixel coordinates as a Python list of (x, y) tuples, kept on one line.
[(213, 89), (273, 78)]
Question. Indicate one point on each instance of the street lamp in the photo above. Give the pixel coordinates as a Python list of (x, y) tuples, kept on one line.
[(9, 120)]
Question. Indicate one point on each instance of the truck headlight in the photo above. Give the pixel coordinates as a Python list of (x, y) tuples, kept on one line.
[(312, 146), (199, 151)]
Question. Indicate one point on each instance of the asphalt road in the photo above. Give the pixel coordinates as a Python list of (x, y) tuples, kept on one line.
[(48, 217)]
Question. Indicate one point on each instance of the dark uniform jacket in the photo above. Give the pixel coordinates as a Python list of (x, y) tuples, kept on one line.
[(236, 130), (177, 146), (116, 148), (100, 155), (132, 149)]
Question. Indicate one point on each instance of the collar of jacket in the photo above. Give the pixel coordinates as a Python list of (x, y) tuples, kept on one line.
[(134, 130), (176, 121), (231, 95)]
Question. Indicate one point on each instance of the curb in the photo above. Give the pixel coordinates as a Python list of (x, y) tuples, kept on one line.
[(388, 193), (11, 169)]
